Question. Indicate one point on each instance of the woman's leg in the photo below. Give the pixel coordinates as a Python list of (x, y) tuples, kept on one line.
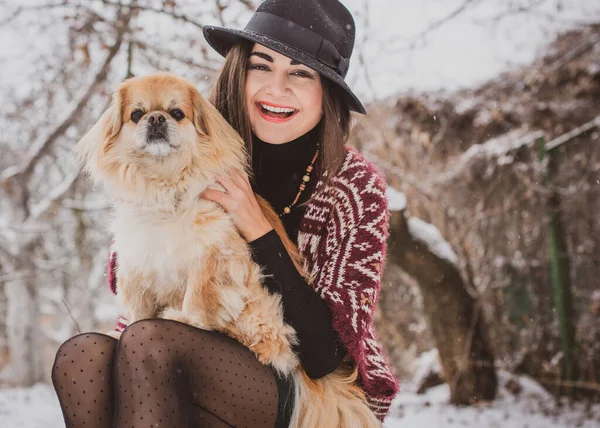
[(169, 374), (82, 377)]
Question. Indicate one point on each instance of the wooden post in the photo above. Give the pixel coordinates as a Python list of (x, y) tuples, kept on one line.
[(560, 267)]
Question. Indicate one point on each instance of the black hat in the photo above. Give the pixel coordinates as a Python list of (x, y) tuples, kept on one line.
[(316, 33)]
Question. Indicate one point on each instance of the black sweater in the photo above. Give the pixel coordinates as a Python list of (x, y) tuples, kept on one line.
[(278, 171)]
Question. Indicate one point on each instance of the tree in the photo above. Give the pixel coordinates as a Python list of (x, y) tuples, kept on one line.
[(454, 315)]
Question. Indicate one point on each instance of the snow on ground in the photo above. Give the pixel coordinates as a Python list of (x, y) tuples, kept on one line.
[(533, 407), (35, 407)]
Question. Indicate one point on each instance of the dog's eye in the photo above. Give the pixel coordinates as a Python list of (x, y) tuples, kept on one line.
[(136, 115), (177, 114)]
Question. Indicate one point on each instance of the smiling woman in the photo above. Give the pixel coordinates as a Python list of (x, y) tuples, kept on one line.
[(282, 89), (294, 115), (284, 98)]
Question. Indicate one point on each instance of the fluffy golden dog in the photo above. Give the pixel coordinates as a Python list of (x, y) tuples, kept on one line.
[(156, 148)]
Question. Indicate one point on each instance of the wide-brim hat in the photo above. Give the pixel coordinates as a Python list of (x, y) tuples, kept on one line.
[(317, 33)]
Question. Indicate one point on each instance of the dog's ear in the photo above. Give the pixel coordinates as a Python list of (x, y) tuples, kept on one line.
[(98, 140), (201, 113), (209, 122), (224, 141)]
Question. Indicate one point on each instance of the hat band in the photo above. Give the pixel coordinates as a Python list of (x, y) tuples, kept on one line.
[(298, 37)]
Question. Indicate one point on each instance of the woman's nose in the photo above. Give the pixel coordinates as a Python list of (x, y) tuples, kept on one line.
[(279, 84)]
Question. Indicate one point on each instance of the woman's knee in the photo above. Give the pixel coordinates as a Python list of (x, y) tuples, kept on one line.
[(92, 350), (146, 343)]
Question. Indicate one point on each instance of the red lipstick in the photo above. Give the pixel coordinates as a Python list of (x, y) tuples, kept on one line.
[(274, 119)]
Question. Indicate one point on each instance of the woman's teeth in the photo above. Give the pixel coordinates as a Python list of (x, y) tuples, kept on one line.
[(277, 109)]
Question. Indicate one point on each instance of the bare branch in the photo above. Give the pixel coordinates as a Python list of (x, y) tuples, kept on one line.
[(165, 53), (55, 196), (521, 9), (361, 52), (23, 172), (435, 25), (248, 3), (594, 123), (71, 315), (573, 54), (22, 9), (11, 17), (172, 14), (220, 9), (129, 60)]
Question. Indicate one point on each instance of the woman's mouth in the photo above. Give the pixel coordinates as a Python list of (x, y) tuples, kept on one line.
[(275, 114)]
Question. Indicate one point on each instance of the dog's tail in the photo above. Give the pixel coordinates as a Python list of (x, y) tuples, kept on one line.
[(334, 401)]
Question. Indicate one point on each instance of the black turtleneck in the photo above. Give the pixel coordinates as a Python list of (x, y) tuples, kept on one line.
[(278, 171)]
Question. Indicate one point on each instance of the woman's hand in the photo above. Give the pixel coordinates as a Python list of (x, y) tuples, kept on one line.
[(239, 201)]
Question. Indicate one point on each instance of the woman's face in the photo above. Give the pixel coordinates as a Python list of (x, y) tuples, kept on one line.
[(284, 98)]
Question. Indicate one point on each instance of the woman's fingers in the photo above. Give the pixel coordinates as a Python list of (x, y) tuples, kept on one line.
[(217, 196), (239, 201), (229, 185)]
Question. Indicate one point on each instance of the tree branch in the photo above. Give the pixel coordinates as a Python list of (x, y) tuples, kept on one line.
[(156, 10), (574, 53), (168, 54), (220, 9), (594, 123), (21, 9), (23, 172), (435, 25), (59, 192)]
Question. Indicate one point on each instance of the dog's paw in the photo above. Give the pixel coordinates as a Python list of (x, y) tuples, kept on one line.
[(275, 349), (285, 361)]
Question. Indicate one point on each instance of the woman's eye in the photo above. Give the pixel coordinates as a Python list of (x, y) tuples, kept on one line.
[(258, 67), (301, 73), (136, 115), (177, 114)]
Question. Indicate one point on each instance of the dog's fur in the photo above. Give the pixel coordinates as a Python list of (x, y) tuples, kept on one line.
[(180, 256)]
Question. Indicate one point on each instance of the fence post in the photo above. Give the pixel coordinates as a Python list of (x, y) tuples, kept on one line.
[(559, 263)]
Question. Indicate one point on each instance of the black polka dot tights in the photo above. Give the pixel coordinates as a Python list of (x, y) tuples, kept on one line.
[(162, 373)]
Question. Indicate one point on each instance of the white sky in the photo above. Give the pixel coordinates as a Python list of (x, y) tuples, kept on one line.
[(464, 52)]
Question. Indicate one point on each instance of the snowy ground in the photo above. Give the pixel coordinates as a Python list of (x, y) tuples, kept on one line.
[(37, 407)]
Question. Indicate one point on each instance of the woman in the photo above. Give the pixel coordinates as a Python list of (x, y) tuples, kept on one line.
[(282, 88)]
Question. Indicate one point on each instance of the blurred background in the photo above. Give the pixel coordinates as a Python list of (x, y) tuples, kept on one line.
[(484, 116)]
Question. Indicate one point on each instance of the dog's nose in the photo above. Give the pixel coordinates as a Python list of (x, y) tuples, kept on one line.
[(156, 118)]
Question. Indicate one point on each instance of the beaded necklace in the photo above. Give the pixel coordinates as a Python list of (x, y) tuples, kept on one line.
[(305, 180)]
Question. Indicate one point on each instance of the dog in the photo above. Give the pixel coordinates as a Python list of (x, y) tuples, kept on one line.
[(157, 147)]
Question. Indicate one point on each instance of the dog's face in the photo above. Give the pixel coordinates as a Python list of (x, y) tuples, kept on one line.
[(156, 128), (157, 118)]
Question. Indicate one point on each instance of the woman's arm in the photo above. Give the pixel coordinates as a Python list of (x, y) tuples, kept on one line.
[(320, 350)]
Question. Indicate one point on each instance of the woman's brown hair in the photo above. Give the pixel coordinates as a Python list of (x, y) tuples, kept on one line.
[(229, 97)]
